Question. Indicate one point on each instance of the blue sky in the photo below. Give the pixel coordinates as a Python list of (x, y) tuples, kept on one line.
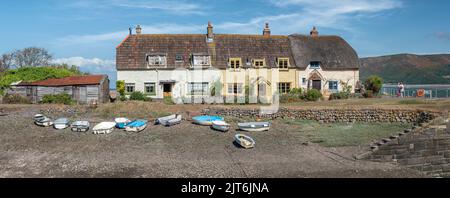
[(86, 32)]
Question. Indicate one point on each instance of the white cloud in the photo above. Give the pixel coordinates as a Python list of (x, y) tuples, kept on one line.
[(174, 7), (88, 64), (120, 35)]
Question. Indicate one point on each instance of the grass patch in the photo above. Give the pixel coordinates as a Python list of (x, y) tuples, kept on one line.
[(131, 109), (412, 101), (343, 134)]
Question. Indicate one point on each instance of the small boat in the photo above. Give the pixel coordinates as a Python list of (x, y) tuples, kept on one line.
[(39, 117), (254, 126), (169, 120), (136, 126), (61, 123), (245, 141), (220, 126), (104, 128), (80, 126), (206, 120), (121, 123), (42, 120)]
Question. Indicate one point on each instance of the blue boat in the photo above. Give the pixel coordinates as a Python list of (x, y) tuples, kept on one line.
[(121, 123), (136, 126), (206, 120)]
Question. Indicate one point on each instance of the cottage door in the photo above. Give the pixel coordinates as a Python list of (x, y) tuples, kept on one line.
[(167, 89), (261, 92), (317, 84)]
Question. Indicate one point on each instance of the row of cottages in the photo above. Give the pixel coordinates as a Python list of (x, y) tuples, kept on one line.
[(83, 89), (190, 65)]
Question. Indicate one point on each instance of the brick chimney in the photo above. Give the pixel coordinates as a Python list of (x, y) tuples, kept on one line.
[(266, 31), (314, 32), (210, 33), (138, 29)]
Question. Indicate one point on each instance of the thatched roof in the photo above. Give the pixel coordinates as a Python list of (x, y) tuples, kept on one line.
[(333, 52)]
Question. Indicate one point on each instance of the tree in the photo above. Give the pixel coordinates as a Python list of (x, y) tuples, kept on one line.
[(6, 61), (374, 84), (32, 57)]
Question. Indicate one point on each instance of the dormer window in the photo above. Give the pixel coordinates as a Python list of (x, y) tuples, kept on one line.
[(315, 64), (283, 63), (201, 60), (156, 60), (235, 63), (259, 63)]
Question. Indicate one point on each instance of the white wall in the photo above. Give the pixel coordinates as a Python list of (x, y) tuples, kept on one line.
[(181, 76), (350, 76)]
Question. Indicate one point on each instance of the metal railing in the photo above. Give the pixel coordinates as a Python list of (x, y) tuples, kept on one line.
[(430, 91)]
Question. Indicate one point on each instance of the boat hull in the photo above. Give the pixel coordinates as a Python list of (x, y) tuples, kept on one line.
[(254, 126), (220, 126), (60, 126), (44, 124), (244, 141), (206, 120), (80, 129), (104, 128), (135, 129), (169, 120)]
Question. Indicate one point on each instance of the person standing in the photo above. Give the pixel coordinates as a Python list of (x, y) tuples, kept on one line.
[(398, 90), (402, 90)]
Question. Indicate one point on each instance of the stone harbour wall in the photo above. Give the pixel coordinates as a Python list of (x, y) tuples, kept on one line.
[(425, 148), (331, 115)]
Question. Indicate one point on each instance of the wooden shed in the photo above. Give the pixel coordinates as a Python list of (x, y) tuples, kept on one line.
[(82, 89)]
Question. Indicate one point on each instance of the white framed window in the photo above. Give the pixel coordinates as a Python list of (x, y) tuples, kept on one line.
[(235, 63), (234, 88), (283, 63), (150, 88), (304, 81), (200, 61), (284, 88), (156, 60), (129, 87), (259, 62), (333, 86), (198, 88)]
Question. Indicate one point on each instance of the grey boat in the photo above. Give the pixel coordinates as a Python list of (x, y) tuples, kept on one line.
[(254, 126)]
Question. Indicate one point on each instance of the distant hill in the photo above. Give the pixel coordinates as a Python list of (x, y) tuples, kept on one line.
[(409, 68)]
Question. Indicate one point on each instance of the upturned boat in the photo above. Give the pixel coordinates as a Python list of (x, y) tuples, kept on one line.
[(104, 128), (254, 126), (220, 126), (42, 120), (206, 120), (169, 120), (61, 123), (80, 126)]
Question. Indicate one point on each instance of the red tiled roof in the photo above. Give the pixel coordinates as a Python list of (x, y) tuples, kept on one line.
[(73, 80)]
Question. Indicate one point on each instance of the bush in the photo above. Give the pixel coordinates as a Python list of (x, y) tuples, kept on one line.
[(122, 98), (120, 87), (290, 98), (296, 91), (374, 83), (32, 74), (168, 100), (62, 98), (15, 99), (313, 95), (368, 94), (137, 95)]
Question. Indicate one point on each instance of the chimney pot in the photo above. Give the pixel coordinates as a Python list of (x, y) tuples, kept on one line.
[(314, 32), (138, 29), (210, 32), (266, 31)]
